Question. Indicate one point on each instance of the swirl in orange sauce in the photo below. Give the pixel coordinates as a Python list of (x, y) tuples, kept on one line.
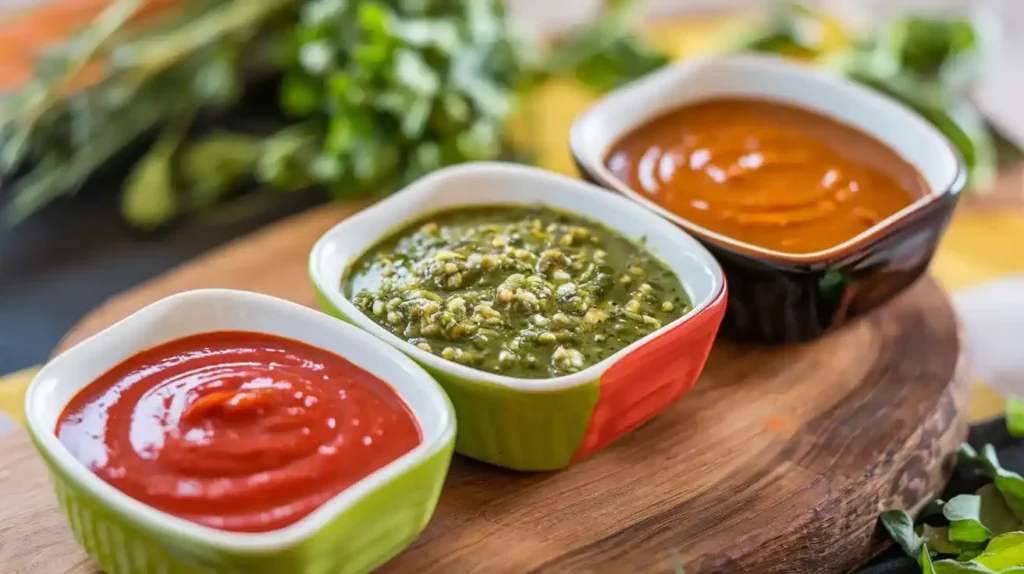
[(766, 174)]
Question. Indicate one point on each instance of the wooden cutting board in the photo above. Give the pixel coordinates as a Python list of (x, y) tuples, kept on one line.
[(779, 460)]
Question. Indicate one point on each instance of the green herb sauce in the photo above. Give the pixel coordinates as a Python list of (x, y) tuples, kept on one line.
[(521, 291)]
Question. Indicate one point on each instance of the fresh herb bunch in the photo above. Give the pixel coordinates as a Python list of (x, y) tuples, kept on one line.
[(384, 92), (981, 533), (937, 50), (394, 90), (791, 29), (110, 85), (609, 53), (927, 63), (379, 92)]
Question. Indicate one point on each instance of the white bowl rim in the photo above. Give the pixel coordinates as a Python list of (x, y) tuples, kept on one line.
[(559, 184), (205, 536), (780, 66)]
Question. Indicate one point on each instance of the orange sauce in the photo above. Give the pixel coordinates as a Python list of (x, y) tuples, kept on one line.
[(767, 174)]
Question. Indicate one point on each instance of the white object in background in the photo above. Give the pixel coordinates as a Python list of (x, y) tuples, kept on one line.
[(992, 316), (1000, 86), (1001, 89)]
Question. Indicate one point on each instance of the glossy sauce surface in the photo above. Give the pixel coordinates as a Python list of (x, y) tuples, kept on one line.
[(768, 174), (523, 291), (235, 430)]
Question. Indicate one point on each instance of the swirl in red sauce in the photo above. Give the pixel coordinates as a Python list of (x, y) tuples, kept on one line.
[(767, 174), (234, 430)]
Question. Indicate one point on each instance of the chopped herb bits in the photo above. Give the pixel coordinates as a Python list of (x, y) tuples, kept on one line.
[(527, 292)]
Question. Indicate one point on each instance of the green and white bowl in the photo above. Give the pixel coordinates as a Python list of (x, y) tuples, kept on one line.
[(356, 531)]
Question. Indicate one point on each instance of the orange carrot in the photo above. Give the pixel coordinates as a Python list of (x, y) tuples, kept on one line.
[(31, 31)]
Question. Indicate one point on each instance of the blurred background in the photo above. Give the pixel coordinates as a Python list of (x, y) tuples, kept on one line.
[(139, 134)]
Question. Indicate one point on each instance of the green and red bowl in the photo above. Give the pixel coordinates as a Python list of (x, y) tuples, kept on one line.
[(542, 424), (355, 531)]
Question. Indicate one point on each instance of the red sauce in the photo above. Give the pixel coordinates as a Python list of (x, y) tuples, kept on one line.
[(234, 430)]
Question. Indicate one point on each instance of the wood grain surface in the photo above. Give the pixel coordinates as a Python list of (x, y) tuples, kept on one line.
[(779, 460)]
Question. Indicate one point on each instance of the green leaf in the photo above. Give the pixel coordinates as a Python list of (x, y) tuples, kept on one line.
[(790, 28), (328, 169), (430, 33), (1009, 483), (149, 198), (966, 454), (968, 555), (942, 49), (620, 63), (426, 158), (925, 561), (900, 526), (56, 175), (995, 514), (416, 117), (412, 71), (157, 52), (482, 141), (468, 75), (1015, 416), (218, 80), (374, 17), (608, 53), (195, 54), (1003, 552), (956, 567), (317, 57), (937, 539), (299, 95), (317, 12), (956, 119), (484, 20), (414, 85), (216, 164), (348, 131), (964, 515), (287, 158), (455, 112), (74, 57)]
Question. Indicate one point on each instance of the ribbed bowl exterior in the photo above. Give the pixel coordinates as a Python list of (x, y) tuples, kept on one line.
[(369, 533)]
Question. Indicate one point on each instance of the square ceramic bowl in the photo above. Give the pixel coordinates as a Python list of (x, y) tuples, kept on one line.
[(356, 531), (778, 297), (542, 424)]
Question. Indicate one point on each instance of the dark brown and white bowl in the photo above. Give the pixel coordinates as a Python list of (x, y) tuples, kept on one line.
[(778, 297)]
